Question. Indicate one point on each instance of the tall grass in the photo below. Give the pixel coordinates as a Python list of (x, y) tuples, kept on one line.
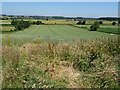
[(39, 64)]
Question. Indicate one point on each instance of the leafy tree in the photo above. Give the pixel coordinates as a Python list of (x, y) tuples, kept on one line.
[(119, 22), (79, 22), (113, 23), (95, 26), (83, 23), (38, 22), (100, 22), (75, 19), (33, 22), (20, 24)]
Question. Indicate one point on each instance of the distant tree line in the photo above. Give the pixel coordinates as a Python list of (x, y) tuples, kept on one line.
[(20, 24), (109, 18)]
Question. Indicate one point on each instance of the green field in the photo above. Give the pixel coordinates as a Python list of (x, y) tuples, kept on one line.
[(103, 28), (57, 32)]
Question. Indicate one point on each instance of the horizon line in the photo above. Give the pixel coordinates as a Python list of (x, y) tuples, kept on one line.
[(58, 15)]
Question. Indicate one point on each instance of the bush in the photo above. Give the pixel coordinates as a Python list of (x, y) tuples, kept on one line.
[(118, 22), (34, 22), (38, 22), (95, 26), (100, 22), (11, 30), (79, 22), (113, 23), (83, 23)]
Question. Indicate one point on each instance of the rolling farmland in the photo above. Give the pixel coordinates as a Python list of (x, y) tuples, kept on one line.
[(41, 55)]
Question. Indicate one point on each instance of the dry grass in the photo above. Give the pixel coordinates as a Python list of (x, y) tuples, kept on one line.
[(77, 64), (7, 28)]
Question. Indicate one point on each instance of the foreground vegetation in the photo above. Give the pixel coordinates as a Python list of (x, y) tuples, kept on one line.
[(76, 64)]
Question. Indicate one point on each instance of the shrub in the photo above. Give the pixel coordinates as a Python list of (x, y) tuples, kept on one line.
[(113, 23), (11, 30), (38, 22), (79, 22), (34, 22), (100, 22), (83, 23), (119, 22), (95, 26)]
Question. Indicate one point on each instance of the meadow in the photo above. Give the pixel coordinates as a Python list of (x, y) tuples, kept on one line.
[(60, 56)]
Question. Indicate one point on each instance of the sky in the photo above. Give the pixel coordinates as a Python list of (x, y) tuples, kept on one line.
[(68, 9)]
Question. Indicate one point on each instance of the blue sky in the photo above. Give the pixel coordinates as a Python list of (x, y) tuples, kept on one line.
[(74, 9)]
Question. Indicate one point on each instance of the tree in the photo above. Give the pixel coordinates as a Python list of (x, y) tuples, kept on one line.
[(20, 24), (113, 23), (75, 19), (95, 26), (79, 22), (83, 23), (118, 22), (100, 22), (47, 19), (39, 22), (33, 22)]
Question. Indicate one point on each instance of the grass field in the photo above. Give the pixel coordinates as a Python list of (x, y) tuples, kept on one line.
[(59, 32), (55, 32), (103, 28)]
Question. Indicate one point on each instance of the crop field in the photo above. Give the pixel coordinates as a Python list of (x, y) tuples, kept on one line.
[(6, 27), (59, 32), (5, 21)]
